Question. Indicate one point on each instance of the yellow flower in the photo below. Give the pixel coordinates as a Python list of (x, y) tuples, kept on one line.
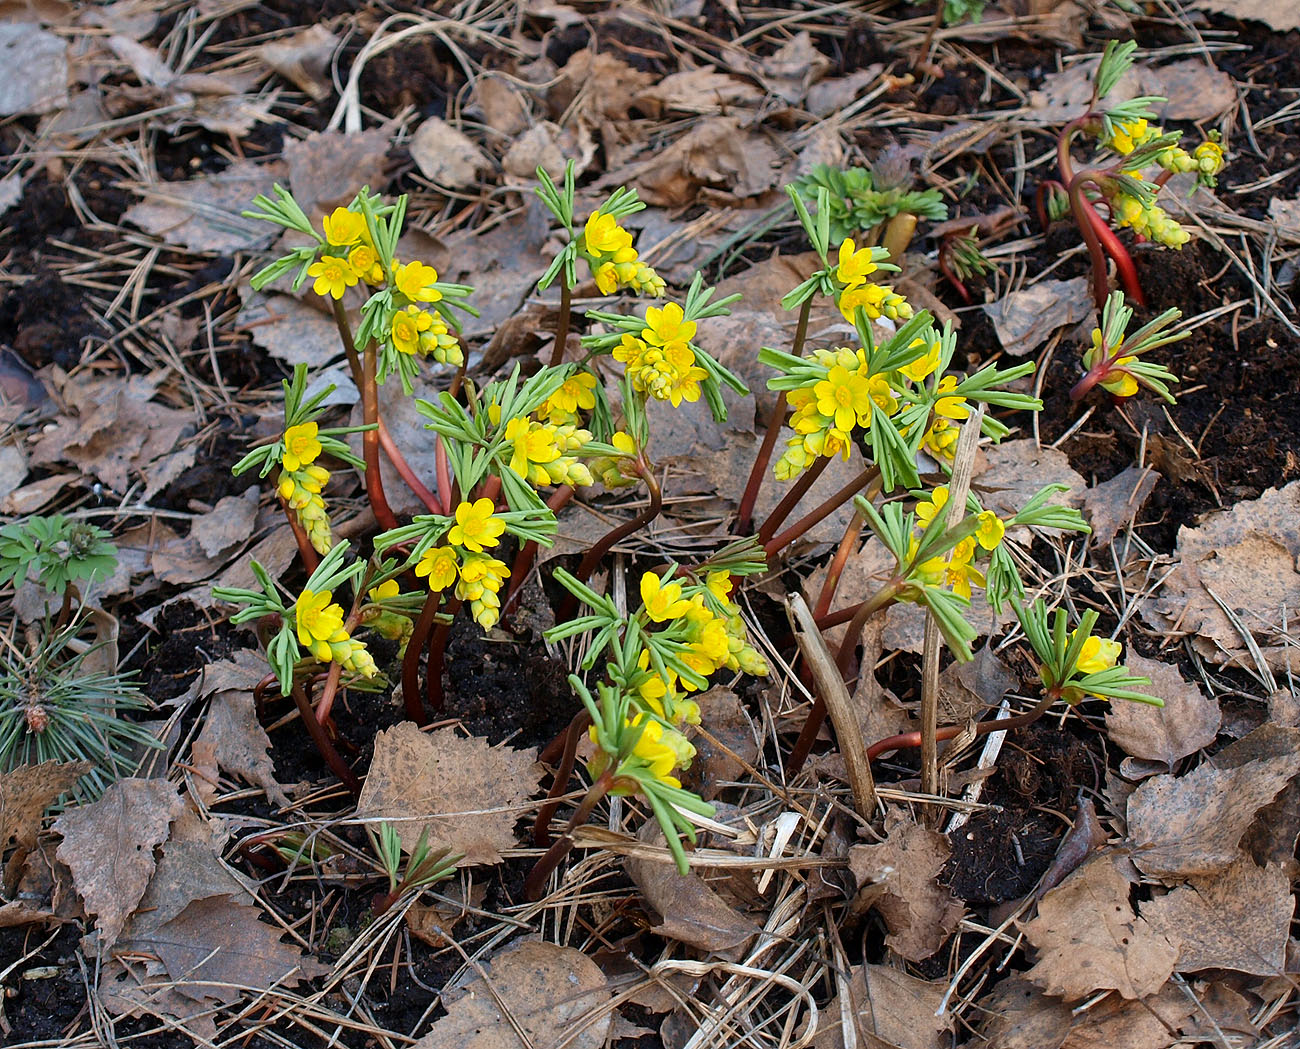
[(364, 260), (406, 328), (650, 747), (1126, 135), (876, 300), (318, 622), (575, 394), (667, 326), (990, 531), (940, 439), (719, 584), (415, 280), (534, 443), (300, 446), (475, 527), (921, 368), (854, 265), (1118, 382), (960, 569), (439, 564), (926, 511), (333, 276), (385, 590), (1098, 654), (1209, 157), (952, 406), (661, 602), (603, 235), (343, 227), (844, 396)]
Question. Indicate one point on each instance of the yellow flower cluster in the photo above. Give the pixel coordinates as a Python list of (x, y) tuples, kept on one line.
[(301, 482), (413, 330), (576, 394), (1147, 220), (661, 362), (614, 471), (349, 255), (544, 453), (1097, 654), (659, 750), (478, 575), (876, 300), (956, 569), (321, 632), (614, 263), (1127, 135)]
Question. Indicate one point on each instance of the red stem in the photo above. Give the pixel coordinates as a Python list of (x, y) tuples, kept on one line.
[(905, 740), (836, 568), (562, 324), (528, 552), (791, 499), (321, 738), (306, 551), (326, 702), (537, 877), (811, 520), (411, 661), (542, 825), (433, 695)]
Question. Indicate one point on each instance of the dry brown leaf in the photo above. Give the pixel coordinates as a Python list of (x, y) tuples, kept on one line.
[(506, 258), (109, 845), (549, 992), (715, 153), (1282, 15), (43, 59), (899, 879), (503, 107), (546, 145), (1089, 938), (826, 97), (1247, 557), (1114, 504), (328, 167), (293, 330), (1187, 722), (724, 718), (1016, 470), (1025, 319), (891, 1009), (203, 214), (1196, 91), (1155, 1022), (26, 792), (468, 794), (226, 525), (446, 156), (239, 743), (697, 91), (1235, 919), (1189, 825), (114, 428), (598, 86), (689, 910), (791, 70), (1017, 1015), (303, 59)]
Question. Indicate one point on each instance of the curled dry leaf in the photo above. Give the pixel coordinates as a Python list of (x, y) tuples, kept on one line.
[(302, 59), (203, 214), (469, 795), (109, 845), (1015, 472), (1187, 722), (328, 167), (1025, 319), (1189, 825), (25, 793), (1246, 557), (227, 524), (899, 878), (893, 1010), (446, 156), (1114, 504), (1235, 919), (697, 91), (528, 995), (690, 911), (1089, 938)]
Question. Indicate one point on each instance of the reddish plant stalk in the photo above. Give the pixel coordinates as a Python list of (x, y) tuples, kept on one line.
[(321, 738), (906, 740), (835, 570), (433, 695), (571, 736), (325, 704), (773, 546), (791, 499), (310, 559), (745, 513), (528, 552), (562, 323), (560, 848), (445, 489), (411, 661)]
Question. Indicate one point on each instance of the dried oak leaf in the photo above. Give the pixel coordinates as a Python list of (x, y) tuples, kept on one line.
[(109, 845), (26, 792), (302, 59), (1189, 825), (716, 153), (689, 910), (1114, 504), (532, 995), (1246, 557), (1017, 1015), (697, 91), (1024, 320), (1187, 722), (1089, 938), (891, 1009), (899, 879), (1235, 919), (1158, 1021), (1017, 470), (229, 523), (468, 794)]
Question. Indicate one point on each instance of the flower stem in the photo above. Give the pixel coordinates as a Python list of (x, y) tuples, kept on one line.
[(411, 661), (812, 519), (1102, 241), (617, 535), (321, 738), (433, 694), (906, 740), (310, 559), (745, 514), (562, 324), (326, 702), (542, 825), (835, 570), (797, 491), (528, 552), (561, 846)]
